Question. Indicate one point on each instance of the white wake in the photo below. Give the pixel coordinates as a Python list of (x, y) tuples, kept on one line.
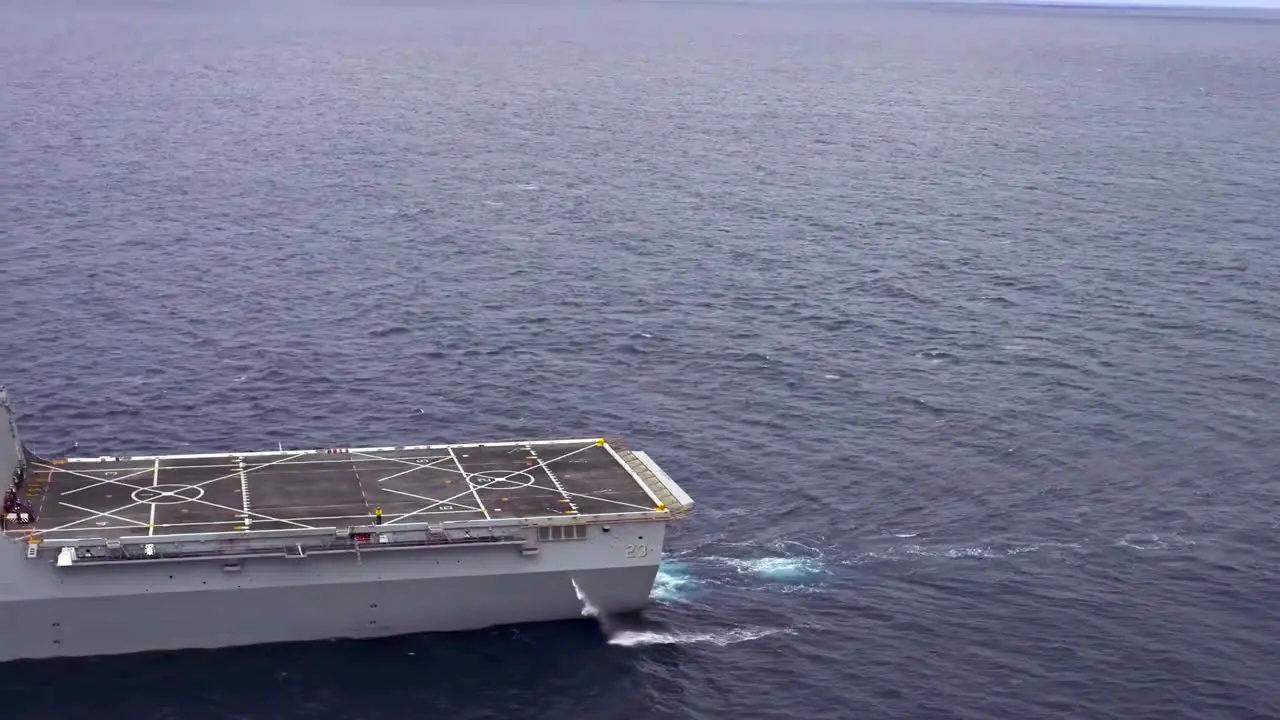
[(634, 638)]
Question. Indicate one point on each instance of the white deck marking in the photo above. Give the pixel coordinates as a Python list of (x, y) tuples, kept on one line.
[(508, 476), (554, 481), (193, 486), (593, 497), (95, 514), (100, 480), (546, 463), (246, 513), (416, 466), (331, 522), (571, 453), (411, 461), (155, 480), (448, 500), (463, 506), (363, 452), (104, 528), (597, 497), (113, 470), (424, 511), (366, 458), (236, 513), (135, 523), (244, 494), (412, 469), (255, 467), (467, 478), (241, 471), (299, 453)]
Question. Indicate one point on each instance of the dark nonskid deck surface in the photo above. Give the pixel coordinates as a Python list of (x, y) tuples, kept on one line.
[(318, 490)]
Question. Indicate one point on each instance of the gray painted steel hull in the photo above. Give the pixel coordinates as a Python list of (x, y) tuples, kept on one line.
[(47, 611)]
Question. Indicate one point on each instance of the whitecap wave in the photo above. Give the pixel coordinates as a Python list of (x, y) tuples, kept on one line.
[(1152, 541)]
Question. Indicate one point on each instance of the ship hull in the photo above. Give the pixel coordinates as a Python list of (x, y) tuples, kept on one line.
[(48, 612), (130, 624)]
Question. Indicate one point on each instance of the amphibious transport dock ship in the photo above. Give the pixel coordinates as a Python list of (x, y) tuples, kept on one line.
[(114, 555)]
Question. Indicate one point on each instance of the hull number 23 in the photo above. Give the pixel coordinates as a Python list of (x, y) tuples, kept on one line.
[(637, 551)]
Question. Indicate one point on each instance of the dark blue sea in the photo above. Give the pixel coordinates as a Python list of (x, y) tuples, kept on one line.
[(960, 323)]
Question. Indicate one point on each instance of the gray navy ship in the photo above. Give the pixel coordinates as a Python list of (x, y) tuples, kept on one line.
[(114, 555)]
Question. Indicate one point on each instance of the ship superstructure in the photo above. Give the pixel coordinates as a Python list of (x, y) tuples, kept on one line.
[(113, 555)]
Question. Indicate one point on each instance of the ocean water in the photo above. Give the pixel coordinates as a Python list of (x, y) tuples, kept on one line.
[(959, 322)]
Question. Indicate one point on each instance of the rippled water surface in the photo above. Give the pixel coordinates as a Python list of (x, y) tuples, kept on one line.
[(959, 323)]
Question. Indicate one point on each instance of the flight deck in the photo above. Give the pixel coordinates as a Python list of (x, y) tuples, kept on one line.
[(328, 488)]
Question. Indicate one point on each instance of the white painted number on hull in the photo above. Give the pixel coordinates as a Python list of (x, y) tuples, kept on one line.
[(637, 551)]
